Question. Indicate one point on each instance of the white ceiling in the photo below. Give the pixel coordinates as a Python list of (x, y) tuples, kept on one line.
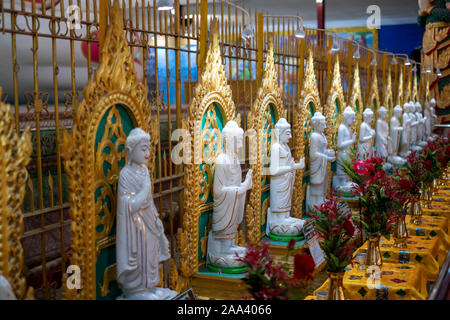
[(338, 13)]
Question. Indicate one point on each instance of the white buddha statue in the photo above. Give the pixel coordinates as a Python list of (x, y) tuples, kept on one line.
[(366, 135), (406, 133), (319, 156), (383, 141), (395, 131), (282, 171), (428, 119), (346, 139), (6, 292), (141, 243), (434, 117), (420, 126), (414, 126), (229, 201)]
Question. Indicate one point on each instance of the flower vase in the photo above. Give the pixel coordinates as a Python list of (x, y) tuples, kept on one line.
[(335, 286), (426, 196), (415, 209), (400, 232), (434, 187), (373, 256)]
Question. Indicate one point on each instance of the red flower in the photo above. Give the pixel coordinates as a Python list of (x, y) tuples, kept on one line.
[(291, 244), (303, 266), (349, 227), (428, 164)]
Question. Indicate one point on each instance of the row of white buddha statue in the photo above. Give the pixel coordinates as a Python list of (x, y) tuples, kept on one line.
[(392, 141), (141, 242)]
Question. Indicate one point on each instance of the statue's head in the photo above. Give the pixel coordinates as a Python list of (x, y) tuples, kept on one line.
[(233, 137), (368, 115), (318, 122), (406, 106), (418, 107), (426, 105), (137, 146), (283, 130), (398, 111), (382, 113), (433, 102), (349, 116)]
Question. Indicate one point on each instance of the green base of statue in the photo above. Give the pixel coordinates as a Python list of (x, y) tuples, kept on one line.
[(233, 270), (277, 237)]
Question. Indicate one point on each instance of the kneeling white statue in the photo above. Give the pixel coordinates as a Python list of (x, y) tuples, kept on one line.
[(282, 171), (229, 203), (346, 139), (141, 243), (319, 156)]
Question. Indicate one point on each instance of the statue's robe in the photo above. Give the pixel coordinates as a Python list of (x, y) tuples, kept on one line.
[(406, 134), (281, 186), (365, 148), (141, 243), (395, 135), (318, 170), (228, 204), (381, 142)]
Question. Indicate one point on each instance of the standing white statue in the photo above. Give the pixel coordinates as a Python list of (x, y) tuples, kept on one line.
[(395, 131), (383, 142), (428, 119), (229, 201), (434, 117), (406, 133), (141, 243), (282, 171), (414, 126), (420, 126), (6, 292), (366, 135), (319, 156), (346, 139)]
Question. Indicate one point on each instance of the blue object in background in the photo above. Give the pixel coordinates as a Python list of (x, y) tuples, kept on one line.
[(402, 38)]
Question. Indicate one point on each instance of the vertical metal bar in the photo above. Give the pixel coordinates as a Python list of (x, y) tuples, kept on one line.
[(349, 68), (203, 33), (259, 48), (14, 67), (103, 22), (157, 93), (38, 145)]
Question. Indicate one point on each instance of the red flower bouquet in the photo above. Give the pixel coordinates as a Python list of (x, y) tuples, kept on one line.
[(376, 191), (335, 230), (270, 281)]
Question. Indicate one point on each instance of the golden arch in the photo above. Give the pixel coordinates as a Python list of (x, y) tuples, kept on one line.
[(115, 83), (302, 129), (268, 94)]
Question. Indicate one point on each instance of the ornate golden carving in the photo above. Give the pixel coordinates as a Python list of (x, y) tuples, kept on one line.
[(115, 82), (108, 276), (301, 129), (356, 99), (211, 88), (415, 92), (400, 95), (268, 94), (388, 97), (333, 116), (373, 100), (15, 154), (408, 89)]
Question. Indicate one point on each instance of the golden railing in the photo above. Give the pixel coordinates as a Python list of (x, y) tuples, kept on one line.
[(45, 99)]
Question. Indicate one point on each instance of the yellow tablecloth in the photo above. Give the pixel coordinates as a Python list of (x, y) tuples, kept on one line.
[(425, 252), (431, 226), (397, 282)]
